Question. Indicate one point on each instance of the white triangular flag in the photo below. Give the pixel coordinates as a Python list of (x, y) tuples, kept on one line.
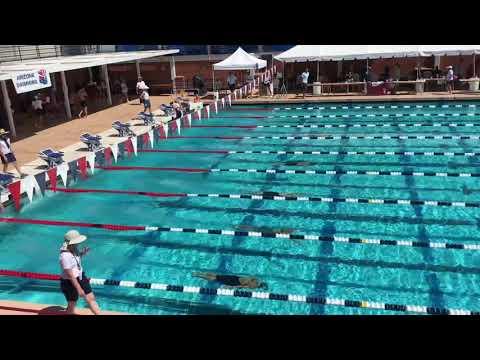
[(240, 93), (26, 185), (235, 94), (216, 107), (208, 111), (165, 129), (114, 148), (189, 119), (199, 115), (134, 143), (223, 102), (62, 170), (178, 125), (229, 97), (150, 136), (91, 161)]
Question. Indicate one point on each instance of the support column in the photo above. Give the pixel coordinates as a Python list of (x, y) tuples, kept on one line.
[(107, 83), (137, 65), (90, 74), (8, 108), (54, 88), (173, 74), (66, 98)]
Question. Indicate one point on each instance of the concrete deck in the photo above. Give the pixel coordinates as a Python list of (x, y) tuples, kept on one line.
[(26, 308), (350, 98), (60, 136)]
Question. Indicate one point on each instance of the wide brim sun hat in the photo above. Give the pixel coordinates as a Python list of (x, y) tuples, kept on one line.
[(73, 237)]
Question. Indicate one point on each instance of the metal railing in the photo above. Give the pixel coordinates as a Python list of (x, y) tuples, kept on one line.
[(27, 52)]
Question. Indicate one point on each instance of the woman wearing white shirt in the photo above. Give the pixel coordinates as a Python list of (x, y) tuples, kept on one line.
[(6, 152), (140, 87), (73, 281)]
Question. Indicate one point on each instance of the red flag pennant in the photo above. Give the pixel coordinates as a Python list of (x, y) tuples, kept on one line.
[(146, 139), (161, 132), (15, 191), (82, 165), (108, 156), (129, 147), (52, 175), (173, 126)]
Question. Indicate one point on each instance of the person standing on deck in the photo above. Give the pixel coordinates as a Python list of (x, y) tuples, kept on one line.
[(450, 79), (232, 81), (37, 105), (305, 76), (82, 96), (124, 87), (73, 280), (140, 87), (6, 152)]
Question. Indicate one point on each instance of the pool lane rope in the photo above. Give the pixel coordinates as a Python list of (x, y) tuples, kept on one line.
[(338, 137), (279, 152), (248, 294), (251, 234), (295, 172), (280, 198), (328, 126), (343, 107), (345, 116)]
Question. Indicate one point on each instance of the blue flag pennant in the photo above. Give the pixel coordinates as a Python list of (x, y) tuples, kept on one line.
[(41, 182)]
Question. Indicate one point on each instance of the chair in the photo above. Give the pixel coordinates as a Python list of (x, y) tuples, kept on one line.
[(51, 157), (92, 141)]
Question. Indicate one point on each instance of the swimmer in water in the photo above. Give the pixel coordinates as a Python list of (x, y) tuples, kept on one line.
[(296, 163), (264, 229), (232, 280)]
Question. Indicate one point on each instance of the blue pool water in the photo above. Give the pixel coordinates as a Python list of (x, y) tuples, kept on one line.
[(389, 274)]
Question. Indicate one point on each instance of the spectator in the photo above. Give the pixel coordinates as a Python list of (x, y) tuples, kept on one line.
[(140, 87), (232, 81), (305, 76), (397, 72), (6, 152), (124, 87), (82, 96), (37, 105), (145, 98), (450, 79)]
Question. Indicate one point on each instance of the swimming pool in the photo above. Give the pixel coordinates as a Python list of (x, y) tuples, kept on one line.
[(363, 154)]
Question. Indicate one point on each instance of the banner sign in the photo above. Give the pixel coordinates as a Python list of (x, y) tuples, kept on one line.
[(31, 80)]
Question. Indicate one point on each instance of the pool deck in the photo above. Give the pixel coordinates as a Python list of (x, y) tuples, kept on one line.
[(66, 135), (350, 98), (26, 308)]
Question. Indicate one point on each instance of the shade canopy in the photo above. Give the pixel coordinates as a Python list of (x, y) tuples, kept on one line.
[(352, 52), (240, 60)]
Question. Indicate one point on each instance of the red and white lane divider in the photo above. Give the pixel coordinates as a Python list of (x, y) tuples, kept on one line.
[(280, 152), (253, 234), (278, 197), (260, 295), (295, 172)]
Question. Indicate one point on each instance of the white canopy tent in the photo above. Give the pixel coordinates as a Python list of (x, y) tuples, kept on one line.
[(352, 52), (239, 60), (302, 53)]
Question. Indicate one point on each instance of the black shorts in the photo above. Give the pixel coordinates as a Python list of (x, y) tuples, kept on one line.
[(39, 111), (304, 87), (231, 87), (10, 159), (71, 294), (83, 104)]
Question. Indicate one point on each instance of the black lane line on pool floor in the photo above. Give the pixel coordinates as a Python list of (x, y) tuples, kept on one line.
[(435, 293), (248, 220)]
